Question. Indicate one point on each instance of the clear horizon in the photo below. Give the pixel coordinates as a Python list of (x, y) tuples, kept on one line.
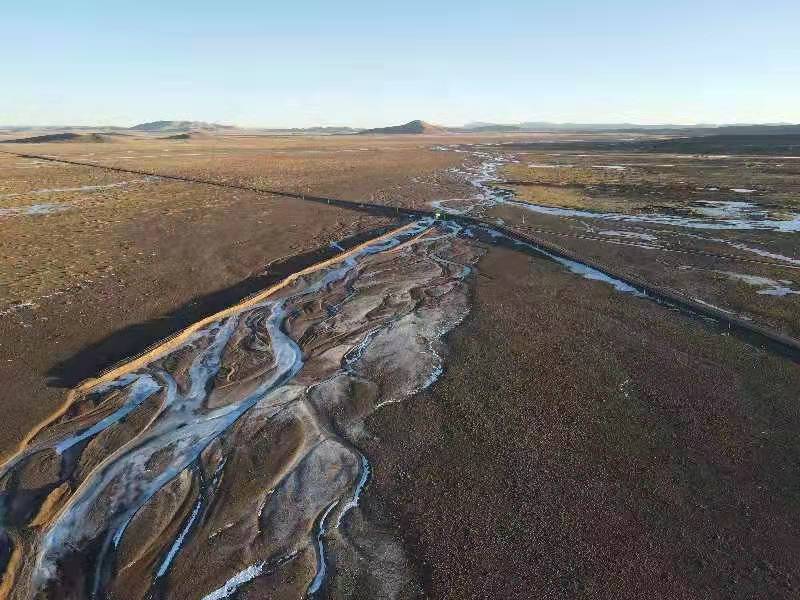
[(360, 65), (446, 125)]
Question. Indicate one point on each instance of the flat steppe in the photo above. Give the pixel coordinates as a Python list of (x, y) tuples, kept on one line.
[(582, 440), (96, 264)]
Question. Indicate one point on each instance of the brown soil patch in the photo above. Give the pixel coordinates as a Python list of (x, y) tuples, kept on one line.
[(585, 444)]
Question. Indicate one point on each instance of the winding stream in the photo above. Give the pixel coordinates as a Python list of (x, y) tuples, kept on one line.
[(229, 455), (711, 214)]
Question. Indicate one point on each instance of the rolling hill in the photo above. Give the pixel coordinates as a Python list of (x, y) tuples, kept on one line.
[(180, 127), (412, 127), (62, 137)]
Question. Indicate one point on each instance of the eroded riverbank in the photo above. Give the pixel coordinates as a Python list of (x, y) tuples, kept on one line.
[(241, 457), (233, 445)]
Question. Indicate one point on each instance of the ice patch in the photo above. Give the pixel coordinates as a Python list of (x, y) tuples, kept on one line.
[(235, 582), (770, 287), (83, 188), (727, 209), (628, 234), (572, 266), (589, 273), (441, 205), (765, 253), (319, 577), (176, 545), (746, 248), (646, 165), (34, 209), (746, 222)]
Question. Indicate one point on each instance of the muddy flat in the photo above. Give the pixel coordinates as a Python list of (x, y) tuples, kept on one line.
[(369, 367)]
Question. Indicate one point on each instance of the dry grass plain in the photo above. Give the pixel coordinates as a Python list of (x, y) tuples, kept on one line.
[(130, 253), (584, 443), (581, 442)]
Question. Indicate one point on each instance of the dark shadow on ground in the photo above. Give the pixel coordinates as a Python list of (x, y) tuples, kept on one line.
[(129, 341), (132, 340)]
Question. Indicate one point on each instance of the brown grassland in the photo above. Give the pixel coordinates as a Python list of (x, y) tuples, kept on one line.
[(580, 443)]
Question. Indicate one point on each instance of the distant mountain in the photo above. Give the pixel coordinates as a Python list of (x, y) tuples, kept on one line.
[(545, 127), (542, 126), (321, 130), (477, 124), (765, 129), (413, 127), (180, 127), (62, 137), (175, 128), (698, 129), (493, 128)]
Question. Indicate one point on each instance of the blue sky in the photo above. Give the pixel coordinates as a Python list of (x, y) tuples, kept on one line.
[(367, 63)]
